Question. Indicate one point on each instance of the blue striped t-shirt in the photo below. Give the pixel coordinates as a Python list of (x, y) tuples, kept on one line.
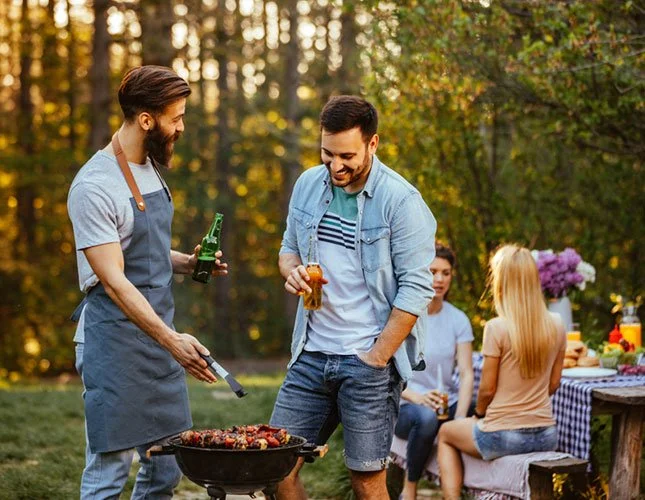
[(346, 323)]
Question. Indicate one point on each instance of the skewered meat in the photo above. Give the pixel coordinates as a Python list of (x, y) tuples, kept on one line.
[(237, 437)]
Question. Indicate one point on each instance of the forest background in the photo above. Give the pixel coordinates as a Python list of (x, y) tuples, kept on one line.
[(517, 120)]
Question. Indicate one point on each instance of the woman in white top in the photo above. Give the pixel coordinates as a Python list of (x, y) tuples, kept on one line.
[(448, 342)]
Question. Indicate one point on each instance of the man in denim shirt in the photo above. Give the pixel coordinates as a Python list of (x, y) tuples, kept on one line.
[(373, 236)]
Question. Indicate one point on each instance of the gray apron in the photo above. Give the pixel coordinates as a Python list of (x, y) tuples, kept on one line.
[(135, 391)]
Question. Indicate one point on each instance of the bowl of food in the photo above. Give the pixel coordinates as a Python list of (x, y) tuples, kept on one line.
[(609, 360), (611, 354)]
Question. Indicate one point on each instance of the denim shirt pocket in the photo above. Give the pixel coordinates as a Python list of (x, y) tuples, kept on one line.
[(375, 248), (304, 224)]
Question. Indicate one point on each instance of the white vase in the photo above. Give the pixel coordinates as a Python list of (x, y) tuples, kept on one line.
[(562, 306)]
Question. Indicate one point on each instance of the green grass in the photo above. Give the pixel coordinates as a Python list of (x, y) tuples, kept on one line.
[(42, 437), (41, 442)]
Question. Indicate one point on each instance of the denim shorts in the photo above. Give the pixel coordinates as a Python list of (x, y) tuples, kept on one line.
[(320, 391), (497, 444)]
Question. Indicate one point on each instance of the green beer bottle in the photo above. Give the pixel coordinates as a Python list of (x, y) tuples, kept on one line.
[(210, 245)]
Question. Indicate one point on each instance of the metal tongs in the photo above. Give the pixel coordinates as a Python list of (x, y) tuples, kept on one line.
[(219, 370)]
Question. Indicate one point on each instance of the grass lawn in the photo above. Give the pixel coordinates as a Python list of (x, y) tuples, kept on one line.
[(42, 437)]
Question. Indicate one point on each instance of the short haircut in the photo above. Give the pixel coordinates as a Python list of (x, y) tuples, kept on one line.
[(150, 89), (445, 252), (345, 112)]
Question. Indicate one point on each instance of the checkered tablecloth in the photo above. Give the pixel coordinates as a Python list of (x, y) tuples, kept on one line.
[(572, 407), (572, 410)]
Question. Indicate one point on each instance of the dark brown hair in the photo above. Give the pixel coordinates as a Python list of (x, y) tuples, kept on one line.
[(151, 89), (445, 252), (345, 112)]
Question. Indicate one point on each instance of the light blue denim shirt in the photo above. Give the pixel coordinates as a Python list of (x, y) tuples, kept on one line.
[(395, 240)]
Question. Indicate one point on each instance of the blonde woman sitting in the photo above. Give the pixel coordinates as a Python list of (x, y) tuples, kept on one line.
[(523, 352)]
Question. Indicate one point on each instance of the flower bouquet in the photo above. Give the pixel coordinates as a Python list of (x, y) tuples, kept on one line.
[(561, 272)]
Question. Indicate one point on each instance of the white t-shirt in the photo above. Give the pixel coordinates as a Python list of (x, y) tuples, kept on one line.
[(346, 323), (445, 329), (99, 207)]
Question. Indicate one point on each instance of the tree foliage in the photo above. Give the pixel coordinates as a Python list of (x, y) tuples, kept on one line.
[(521, 121), (517, 120)]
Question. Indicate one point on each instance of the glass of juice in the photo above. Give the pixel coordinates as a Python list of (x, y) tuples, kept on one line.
[(442, 411), (574, 333)]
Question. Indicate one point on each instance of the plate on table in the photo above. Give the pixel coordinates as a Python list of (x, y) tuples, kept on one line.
[(588, 372)]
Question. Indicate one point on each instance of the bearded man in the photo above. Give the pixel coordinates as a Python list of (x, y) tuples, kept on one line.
[(130, 358), (373, 236)]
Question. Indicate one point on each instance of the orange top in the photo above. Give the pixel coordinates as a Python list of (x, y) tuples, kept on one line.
[(518, 403)]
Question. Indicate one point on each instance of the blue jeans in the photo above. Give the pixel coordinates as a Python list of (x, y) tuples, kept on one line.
[(419, 425), (492, 445), (105, 474), (320, 391)]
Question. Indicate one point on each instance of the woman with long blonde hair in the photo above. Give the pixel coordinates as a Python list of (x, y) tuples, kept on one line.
[(523, 352)]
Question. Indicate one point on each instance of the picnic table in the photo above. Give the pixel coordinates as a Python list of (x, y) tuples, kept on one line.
[(577, 399), (627, 405)]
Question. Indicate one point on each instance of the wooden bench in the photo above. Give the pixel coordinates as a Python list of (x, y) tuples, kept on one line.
[(540, 474)]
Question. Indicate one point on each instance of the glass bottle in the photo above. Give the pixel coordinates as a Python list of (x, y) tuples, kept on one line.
[(209, 247), (630, 326), (313, 300)]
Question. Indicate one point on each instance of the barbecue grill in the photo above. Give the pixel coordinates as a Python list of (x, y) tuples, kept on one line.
[(223, 471)]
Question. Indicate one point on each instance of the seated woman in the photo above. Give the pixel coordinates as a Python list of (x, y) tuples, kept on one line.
[(523, 354), (449, 338)]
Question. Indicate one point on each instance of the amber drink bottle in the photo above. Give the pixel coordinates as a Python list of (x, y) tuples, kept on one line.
[(313, 300)]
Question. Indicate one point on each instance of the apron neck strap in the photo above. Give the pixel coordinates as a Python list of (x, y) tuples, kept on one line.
[(127, 173)]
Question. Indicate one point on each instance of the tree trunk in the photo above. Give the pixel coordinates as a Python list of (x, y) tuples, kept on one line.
[(71, 77), (349, 71), (225, 203), (26, 138), (100, 78), (50, 60), (156, 20), (291, 165)]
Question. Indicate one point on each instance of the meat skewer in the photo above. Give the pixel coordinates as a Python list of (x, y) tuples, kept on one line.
[(237, 437)]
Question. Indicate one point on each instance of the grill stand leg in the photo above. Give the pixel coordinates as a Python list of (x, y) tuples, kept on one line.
[(271, 491), (216, 493)]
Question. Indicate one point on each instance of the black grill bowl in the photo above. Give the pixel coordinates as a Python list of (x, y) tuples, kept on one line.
[(239, 471)]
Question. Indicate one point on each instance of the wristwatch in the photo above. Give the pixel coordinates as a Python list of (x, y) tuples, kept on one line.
[(479, 415)]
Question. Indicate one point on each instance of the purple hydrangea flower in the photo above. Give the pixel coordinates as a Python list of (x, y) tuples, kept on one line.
[(558, 271)]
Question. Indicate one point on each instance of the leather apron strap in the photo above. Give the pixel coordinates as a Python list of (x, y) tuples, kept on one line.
[(127, 173)]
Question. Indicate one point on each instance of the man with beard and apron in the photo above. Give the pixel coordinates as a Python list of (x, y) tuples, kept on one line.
[(128, 354)]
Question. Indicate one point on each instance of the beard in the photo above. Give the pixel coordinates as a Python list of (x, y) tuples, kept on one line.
[(356, 174), (160, 147)]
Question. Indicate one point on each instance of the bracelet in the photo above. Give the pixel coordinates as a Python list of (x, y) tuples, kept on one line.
[(479, 415)]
